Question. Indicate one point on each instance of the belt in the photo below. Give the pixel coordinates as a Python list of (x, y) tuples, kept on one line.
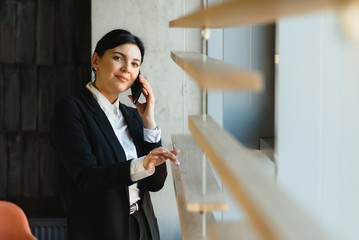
[(134, 208)]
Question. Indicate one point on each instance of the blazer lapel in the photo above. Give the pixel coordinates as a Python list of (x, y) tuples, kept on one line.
[(104, 124)]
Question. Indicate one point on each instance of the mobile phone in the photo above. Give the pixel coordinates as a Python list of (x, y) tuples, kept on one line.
[(136, 89)]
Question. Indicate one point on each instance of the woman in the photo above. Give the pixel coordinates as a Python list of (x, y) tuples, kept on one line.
[(110, 154)]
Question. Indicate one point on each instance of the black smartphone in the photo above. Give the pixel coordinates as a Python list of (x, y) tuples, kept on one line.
[(136, 89)]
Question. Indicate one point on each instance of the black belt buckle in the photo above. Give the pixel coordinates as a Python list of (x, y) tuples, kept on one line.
[(133, 208)]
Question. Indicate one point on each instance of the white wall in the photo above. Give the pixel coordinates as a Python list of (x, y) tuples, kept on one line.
[(317, 118), (176, 95)]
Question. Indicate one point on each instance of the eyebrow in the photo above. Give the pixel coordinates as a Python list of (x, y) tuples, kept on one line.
[(124, 55)]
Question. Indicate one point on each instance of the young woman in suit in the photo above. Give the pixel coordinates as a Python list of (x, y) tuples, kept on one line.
[(110, 154)]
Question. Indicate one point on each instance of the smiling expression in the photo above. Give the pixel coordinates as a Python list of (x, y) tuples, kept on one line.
[(116, 70)]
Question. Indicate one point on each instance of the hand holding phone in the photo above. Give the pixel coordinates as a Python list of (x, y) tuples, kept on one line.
[(136, 89)]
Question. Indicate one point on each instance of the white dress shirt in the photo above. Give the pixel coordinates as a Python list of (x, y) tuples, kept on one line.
[(121, 130)]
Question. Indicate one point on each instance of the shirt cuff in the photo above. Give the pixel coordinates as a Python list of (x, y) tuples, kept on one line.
[(152, 135), (138, 172)]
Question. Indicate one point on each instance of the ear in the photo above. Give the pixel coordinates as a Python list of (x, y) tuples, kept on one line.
[(95, 60)]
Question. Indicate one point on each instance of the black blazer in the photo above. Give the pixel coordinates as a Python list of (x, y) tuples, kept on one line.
[(94, 172)]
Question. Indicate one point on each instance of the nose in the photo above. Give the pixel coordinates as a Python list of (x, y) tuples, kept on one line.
[(125, 67)]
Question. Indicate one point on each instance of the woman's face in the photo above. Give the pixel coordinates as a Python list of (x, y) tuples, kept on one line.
[(117, 69)]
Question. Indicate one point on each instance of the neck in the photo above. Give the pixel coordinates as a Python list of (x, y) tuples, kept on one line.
[(110, 97)]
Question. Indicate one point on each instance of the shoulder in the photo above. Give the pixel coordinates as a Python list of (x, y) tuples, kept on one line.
[(68, 103), (82, 100)]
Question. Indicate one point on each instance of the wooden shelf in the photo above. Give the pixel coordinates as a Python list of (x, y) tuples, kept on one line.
[(188, 178), (273, 213), (214, 74), (232, 230), (242, 12), (193, 224)]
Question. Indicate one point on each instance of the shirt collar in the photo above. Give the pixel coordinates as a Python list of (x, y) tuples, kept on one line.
[(102, 100)]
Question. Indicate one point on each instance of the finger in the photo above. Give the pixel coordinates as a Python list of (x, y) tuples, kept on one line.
[(145, 91), (164, 155), (146, 84), (175, 161), (143, 80), (172, 157), (175, 151)]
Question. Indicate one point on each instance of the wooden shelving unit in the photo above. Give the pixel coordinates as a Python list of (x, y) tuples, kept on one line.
[(210, 73), (190, 177), (192, 223), (236, 12), (248, 174), (272, 212), (232, 230)]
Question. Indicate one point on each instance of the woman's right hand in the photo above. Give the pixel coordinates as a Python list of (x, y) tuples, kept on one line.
[(158, 156)]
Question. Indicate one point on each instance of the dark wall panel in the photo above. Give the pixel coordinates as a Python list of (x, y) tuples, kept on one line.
[(45, 32), (11, 97), (46, 96), (31, 166), (25, 31), (7, 31), (15, 168), (48, 169), (83, 75), (3, 166), (45, 53), (64, 31), (28, 98), (2, 113), (66, 83), (82, 48)]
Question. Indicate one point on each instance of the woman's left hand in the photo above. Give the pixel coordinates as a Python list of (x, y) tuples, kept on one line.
[(147, 109)]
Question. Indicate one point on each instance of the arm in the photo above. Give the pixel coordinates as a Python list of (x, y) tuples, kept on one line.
[(88, 172), (156, 156)]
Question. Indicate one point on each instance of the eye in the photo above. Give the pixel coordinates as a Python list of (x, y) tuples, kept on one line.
[(135, 64), (117, 58)]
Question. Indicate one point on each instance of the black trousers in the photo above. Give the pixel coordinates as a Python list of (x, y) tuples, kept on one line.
[(138, 227)]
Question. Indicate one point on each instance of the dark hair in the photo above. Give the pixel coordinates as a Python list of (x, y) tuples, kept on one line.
[(116, 38)]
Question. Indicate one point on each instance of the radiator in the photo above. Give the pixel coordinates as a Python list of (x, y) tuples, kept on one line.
[(48, 228)]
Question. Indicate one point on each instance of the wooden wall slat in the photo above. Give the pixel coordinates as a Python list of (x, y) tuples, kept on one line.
[(64, 31), (15, 168), (3, 165), (11, 97), (66, 81), (83, 75), (31, 166), (7, 31), (46, 96), (37, 42), (45, 23), (48, 169), (2, 112), (82, 45), (28, 98), (25, 31)]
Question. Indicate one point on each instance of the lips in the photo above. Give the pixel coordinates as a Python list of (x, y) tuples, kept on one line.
[(122, 78)]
